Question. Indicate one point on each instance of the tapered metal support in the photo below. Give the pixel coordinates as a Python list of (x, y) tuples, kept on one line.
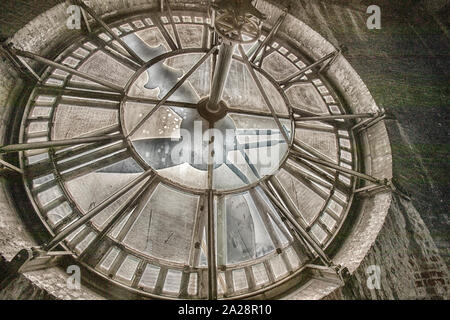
[(211, 225), (57, 143), (65, 68), (263, 45), (307, 68), (212, 261), (221, 72), (19, 64), (298, 228), (94, 212), (264, 94), (337, 117), (304, 156), (172, 91), (109, 31), (10, 166)]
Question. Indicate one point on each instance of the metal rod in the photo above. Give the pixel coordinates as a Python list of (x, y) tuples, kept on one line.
[(255, 113), (263, 208), (18, 63), (271, 34), (115, 218), (10, 166), (92, 213), (368, 122), (288, 202), (264, 94), (222, 69), (167, 103), (86, 21), (79, 93), (172, 91), (302, 155), (110, 31), (174, 27), (212, 263), (56, 143), (305, 69), (337, 117), (62, 67), (302, 232)]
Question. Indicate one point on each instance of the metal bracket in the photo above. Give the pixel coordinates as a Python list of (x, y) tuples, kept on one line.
[(368, 123), (337, 275), (384, 185), (338, 53), (36, 259), (19, 65), (31, 259), (10, 167)]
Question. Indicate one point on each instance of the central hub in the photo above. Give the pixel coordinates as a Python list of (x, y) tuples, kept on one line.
[(212, 113)]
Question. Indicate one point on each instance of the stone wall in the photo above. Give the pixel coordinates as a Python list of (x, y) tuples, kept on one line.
[(410, 264)]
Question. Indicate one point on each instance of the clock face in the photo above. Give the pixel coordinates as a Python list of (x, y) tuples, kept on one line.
[(148, 176)]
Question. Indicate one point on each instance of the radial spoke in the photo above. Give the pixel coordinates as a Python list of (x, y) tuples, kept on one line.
[(263, 210), (95, 211), (115, 218), (172, 91), (256, 113), (116, 53), (65, 68), (298, 228), (167, 103), (174, 27), (301, 145), (79, 93), (10, 166), (142, 203), (58, 143), (301, 175), (303, 113), (329, 178), (336, 117), (19, 64), (259, 144), (328, 164), (222, 69), (200, 222), (270, 36), (165, 33), (264, 94), (307, 68), (109, 31), (212, 263), (288, 202)]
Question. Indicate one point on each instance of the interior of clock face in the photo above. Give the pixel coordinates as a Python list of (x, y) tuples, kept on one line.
[(153, 238)]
